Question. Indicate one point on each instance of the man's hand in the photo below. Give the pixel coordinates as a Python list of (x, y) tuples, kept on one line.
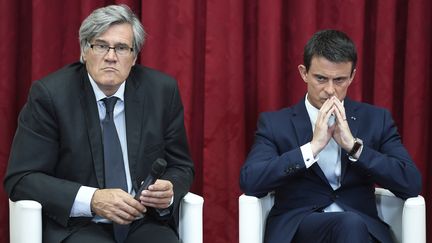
[(116, 205), (158, 195), (323, 133), (340, 130), (342, 133)]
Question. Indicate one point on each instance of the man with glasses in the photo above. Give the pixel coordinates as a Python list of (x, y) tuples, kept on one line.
[(88, 136), (323, 156)]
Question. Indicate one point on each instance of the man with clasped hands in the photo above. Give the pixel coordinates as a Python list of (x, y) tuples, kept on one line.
[(323, 156)]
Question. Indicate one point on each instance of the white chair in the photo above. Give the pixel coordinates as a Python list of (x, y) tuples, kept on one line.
[(25, 220), (407, 219)]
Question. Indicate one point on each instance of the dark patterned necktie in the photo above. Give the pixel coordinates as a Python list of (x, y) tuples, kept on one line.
[(115, 175)]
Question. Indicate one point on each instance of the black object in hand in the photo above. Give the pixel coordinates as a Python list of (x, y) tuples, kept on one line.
[(158, 168)]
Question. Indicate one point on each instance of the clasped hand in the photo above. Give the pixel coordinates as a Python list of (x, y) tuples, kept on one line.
[(120, 207), (339, 130)]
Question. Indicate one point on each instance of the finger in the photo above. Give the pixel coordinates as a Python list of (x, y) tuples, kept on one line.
[(156, 202), (326, 106), (329, 114), (325, 111), (340, 115), (157, 194), (161, 185), (340, 108), (157, 205), (126, 207), (134, 208)]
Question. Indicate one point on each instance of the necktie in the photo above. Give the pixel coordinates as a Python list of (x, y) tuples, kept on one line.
[(115, 176)]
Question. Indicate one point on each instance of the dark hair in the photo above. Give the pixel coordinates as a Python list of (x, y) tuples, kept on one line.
[(333, 45)]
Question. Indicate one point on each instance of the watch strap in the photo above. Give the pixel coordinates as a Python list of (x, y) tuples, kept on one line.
[(357, 145)]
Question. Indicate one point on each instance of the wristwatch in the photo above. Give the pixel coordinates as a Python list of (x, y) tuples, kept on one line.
[(358, 143)]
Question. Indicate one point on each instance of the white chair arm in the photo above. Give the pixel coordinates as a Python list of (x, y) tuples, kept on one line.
[(414, 220), (253, 214), (191, 219), (407, 218), (25, 221)]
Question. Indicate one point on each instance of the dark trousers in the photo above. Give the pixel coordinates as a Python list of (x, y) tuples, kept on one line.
[(337, 227), (142, 231)]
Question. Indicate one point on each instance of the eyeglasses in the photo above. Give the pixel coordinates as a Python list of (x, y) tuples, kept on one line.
[(121, 50)]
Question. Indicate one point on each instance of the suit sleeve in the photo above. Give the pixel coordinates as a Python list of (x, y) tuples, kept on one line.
[(33, 158), (180, 169), (265, 168), (388, 161)]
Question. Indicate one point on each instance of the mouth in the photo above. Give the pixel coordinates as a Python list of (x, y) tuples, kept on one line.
[(109, 69)]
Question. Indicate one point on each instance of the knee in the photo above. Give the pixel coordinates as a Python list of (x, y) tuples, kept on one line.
[(350, 222)]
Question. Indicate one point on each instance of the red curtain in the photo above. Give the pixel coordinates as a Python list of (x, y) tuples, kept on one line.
[(233, 59)]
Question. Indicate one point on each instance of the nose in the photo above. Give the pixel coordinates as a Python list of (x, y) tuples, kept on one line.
[(329, 88), (111, 55)]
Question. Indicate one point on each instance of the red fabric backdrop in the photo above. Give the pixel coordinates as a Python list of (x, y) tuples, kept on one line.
[(233, 59)]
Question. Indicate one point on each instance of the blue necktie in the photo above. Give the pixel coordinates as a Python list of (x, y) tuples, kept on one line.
[(115, 175)]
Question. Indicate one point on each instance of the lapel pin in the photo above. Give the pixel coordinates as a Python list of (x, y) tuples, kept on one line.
[(353, 118)]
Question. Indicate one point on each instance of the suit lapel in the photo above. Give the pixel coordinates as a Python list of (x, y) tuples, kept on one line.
[(302, 124), (89, 106), (134, 104), (303, 129)]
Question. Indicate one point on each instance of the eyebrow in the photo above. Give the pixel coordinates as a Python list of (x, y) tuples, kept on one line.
[(323, 76), (106, 42)]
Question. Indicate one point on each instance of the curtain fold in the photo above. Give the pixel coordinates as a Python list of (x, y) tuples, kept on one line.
[(233, 59)]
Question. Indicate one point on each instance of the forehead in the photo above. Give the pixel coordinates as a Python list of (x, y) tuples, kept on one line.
[(117, 33), (322, 66)]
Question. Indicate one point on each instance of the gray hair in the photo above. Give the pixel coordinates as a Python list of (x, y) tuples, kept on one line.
[(102, 18)]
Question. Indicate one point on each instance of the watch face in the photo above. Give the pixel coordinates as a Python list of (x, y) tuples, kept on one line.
[(357, 144)]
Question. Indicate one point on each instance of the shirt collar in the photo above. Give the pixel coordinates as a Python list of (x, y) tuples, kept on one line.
[(99, 94)]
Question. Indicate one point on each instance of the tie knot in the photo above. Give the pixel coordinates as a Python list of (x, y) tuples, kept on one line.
[(109, 105)]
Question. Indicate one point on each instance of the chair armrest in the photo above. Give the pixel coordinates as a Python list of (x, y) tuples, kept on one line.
[(253, 214), (25, 221), (406, 218), (191, 219), (414, 220)]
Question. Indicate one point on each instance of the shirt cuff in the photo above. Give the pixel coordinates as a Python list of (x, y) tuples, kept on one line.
[(307, 154), (81, 206), (165, 211)]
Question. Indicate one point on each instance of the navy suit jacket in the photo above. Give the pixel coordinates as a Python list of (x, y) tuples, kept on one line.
[(58, 143), (275, 163)]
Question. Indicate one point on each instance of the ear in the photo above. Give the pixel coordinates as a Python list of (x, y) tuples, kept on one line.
[(303, 72), (134, 61), (352, 75), (83, 56)]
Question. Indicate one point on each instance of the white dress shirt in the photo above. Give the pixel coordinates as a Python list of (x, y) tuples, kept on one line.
[(81, 206), (329, 159)]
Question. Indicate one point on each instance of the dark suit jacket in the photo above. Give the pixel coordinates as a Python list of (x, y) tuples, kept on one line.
[(58, 146), (275, 163)]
